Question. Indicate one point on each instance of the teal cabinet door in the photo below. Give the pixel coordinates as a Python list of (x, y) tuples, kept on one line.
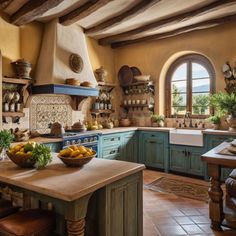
[(129, 147), (187, 160), (195, 164), (153, 150), (178, 159)]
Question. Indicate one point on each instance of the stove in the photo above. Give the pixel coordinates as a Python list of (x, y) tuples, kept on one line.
[(87, 140)]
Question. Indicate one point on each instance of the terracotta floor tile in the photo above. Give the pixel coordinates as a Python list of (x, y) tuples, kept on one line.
[(183, 220), (192, 229), (206, 228), (200, 219), (162, 209), (171, 230)]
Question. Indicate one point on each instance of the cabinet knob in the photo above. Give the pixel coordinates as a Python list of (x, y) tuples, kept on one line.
[(112, 152), (152, 142)]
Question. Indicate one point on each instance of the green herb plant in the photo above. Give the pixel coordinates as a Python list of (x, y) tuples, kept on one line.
[(157, 118), (224, 103), (214, 119), (41, 154), (6, 139)]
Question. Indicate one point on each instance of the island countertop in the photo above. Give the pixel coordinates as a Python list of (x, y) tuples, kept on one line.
[(65, 183)]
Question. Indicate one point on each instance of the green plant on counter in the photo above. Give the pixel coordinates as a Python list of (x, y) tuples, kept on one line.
[(41, 154), (157, 118), (224, 103), (214, 119), (6, 139)]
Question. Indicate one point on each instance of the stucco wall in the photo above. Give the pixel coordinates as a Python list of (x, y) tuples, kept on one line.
[(154, 58)]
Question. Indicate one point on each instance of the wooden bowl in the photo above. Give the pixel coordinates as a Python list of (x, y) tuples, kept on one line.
[(72, 81), (76, 162), (23, 162)]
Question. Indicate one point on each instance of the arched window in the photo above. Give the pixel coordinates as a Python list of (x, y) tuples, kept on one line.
[(189, 82)]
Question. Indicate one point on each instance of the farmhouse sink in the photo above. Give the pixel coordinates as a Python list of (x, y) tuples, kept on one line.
[(187, 137)]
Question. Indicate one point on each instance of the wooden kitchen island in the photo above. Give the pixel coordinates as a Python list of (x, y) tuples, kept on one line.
[(215, 162), (102, 198)]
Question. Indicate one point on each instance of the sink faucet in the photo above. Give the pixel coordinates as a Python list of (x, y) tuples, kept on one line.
[(187, 116)]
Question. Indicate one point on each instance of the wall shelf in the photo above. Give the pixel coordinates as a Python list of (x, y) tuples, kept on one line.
[(16, 81), (149, 82), (13, 114), (102, 111)]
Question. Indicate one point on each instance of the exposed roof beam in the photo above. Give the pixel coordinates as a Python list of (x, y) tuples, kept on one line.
[(126, 15), (33, 9), (166, 22), (83, 11), (4, 3), (194, 27)]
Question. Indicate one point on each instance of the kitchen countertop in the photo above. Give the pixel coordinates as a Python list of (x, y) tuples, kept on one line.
[(59, 181), (126, 129)]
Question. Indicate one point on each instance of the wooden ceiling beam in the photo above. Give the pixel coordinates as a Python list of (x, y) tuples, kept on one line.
[(32, 10), (83, 11), (182, 30), (166, 22), (4, 3), (126, 15)]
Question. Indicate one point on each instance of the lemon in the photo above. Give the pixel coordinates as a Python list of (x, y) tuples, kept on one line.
[(82, 149), (75, 153)]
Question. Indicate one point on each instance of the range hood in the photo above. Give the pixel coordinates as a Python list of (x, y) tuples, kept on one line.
[(53, 67)]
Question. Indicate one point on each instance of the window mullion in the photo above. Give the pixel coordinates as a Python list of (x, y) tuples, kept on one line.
[(189, 86)]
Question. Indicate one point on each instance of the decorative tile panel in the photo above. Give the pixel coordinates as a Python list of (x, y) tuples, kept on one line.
[(46, 109)]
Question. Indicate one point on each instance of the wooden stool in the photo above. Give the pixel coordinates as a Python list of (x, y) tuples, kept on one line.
[(6, 208), (33, 222)]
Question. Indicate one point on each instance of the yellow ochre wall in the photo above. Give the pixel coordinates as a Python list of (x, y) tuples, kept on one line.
[(217, 44)]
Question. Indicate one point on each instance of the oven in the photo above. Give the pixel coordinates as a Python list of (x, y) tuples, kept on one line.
[(87, 140)]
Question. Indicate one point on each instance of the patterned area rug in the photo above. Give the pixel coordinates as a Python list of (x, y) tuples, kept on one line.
[(180, 188)]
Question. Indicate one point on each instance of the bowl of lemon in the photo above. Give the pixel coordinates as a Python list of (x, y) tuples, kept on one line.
[(76, 156), (29, 155)]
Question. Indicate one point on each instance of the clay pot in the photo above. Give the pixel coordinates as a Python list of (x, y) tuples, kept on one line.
[(125, 122), (232, 123), (101, 74), (22, 68), (216, 126)]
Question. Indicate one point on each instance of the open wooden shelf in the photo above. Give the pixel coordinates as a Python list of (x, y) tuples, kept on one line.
[(102, 111), (16, 81), (106, 86), (149, 82), (134, 105), (13, 114)]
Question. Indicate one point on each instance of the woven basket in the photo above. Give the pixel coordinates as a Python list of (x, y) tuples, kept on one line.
[(76, 162), (23, 162)]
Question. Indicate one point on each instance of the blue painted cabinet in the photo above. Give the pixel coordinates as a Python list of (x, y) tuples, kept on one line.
[(129, 147), (212, 141), (186, 160), (120, 146), (153, 148)]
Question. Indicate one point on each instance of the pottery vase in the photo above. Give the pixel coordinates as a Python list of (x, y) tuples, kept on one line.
[(232, 123)]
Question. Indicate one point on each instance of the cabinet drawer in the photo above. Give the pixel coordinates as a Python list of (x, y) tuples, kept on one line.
[(111, 153), (111, 140)]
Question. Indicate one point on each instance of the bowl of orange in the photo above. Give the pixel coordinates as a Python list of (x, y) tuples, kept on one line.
[(76, 156)]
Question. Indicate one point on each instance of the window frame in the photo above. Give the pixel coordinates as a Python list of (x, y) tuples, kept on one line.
[(189, 59)]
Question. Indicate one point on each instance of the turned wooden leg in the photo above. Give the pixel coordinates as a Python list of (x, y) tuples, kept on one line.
[(216, 197), (76, 228)]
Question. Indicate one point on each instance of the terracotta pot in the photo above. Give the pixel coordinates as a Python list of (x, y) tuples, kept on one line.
[(216, 126), (125, 122), (232, 123)]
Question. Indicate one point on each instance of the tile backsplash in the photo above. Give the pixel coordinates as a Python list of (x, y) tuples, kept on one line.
[(50, 108)]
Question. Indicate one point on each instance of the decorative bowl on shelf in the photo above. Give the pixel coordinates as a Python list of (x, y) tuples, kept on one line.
[(125, 122), (141, 78), (23, 162), (76, 162)]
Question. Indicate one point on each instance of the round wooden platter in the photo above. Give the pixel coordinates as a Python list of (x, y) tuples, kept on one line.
[(125, 75)]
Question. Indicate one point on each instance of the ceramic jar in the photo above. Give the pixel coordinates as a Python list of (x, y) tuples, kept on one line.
[(22, 68), (101, 74)]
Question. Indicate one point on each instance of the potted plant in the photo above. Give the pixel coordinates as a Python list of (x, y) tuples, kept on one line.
[(6, 139), (215, 120), (157, 120), (225, 104)]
